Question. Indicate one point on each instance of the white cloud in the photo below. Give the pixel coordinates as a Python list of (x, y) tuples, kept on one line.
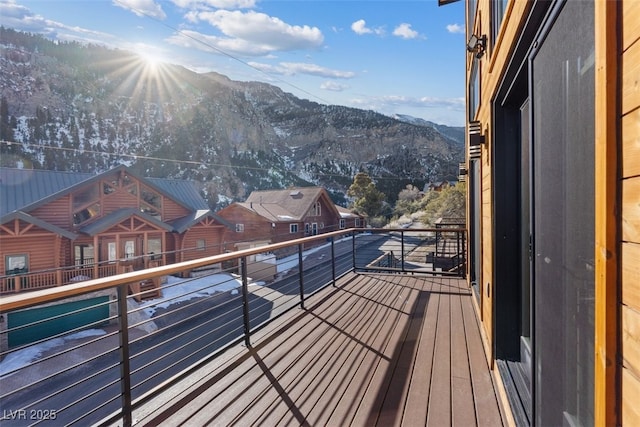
[(455, 28), (333, 86), (218, 4), (293, 68), (360, 27), (454, 104), (257, 33), (142, 8), (21, 18), (404, 30)]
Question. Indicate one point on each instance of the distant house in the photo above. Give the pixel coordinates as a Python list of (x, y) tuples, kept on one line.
[(278, 215), (438, 185), (86, 225), (349, 219)]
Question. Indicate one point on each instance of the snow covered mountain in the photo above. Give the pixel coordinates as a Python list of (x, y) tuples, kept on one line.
[(67, 106)]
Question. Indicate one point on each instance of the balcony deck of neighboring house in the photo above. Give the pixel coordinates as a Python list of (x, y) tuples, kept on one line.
[(377, 349), (341, 339)]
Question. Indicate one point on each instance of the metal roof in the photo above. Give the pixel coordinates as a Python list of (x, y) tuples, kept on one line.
[(181, 190), (23, 187)]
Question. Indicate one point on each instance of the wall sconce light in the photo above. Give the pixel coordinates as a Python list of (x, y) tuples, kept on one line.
[(476, 139), (462, 172), (477, 45)]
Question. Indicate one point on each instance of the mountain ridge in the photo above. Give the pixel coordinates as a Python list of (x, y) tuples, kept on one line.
[(89, 108)]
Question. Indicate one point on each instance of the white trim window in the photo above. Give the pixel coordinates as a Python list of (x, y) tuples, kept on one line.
[(343, 224), (293, 228), (239, 228)]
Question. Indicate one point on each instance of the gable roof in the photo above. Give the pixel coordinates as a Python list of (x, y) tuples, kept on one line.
[(38, 222), (20, 188), (119, 215), (26, 189), (347, 213), (285, 205), (183, 224)]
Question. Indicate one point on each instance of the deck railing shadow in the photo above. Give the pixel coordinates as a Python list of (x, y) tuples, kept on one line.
[(105, 349)]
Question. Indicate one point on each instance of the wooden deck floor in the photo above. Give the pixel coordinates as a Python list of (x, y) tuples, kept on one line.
[(377, 350)]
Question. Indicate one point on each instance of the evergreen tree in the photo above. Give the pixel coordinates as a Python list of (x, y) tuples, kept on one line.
[(368, 200)]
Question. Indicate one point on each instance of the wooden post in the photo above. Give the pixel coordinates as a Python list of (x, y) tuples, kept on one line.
[(606, 218)]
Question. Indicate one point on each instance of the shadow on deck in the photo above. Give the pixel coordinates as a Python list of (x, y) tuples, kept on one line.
[(375, 350)]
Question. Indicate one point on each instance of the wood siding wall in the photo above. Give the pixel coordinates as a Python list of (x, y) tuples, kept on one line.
[(58, 213), (255, 226), (492, 67), (38, 248), (630, 189), (212, 236)]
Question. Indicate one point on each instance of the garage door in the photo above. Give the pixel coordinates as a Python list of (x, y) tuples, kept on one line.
[(73, 315)]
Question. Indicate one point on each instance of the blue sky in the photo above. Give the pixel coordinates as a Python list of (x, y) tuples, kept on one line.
[(394, 56)]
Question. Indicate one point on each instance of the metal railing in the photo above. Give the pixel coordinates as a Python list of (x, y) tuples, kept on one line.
[(95, 351)]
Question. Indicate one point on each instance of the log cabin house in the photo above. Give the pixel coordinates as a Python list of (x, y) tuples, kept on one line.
[(553, 162), (273, 216), (61, 227)]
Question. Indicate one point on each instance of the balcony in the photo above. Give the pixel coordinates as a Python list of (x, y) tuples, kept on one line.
[(373, 327)]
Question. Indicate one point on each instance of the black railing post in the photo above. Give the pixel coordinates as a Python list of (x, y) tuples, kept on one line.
[(402, 250), (301, 275), (333, 262), (245, 301), (353, 250), (125, 366)]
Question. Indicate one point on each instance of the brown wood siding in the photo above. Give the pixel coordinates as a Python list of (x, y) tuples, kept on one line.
[(255, 226), (40, 249), (58, 213), (119, 199), (630, 193), (171, 210), (492, 67), (211, 236)]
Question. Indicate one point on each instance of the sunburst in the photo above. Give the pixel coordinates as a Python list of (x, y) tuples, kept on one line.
[(144, 76)]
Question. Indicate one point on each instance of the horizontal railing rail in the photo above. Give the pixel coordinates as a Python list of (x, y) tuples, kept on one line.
[(93, 352)]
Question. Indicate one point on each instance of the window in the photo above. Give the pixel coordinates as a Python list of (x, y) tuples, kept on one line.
[(84, 254), (85, 197), (239, 228), (16, 264), (317, 209), (200, 244), (307, 229), (498, 8), (293, 228), (154, 248), (357, 222), (343, 223), (111, 251), (474, 90), (129, 249), (86, 214), (471, 15)]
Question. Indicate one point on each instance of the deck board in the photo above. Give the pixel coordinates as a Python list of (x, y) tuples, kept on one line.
[(382, 350)]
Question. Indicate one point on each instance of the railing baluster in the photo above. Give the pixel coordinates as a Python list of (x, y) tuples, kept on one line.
[(125, 356), (402, 250), (245, 301), (333, 262), (301, 275), (353, 250)]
